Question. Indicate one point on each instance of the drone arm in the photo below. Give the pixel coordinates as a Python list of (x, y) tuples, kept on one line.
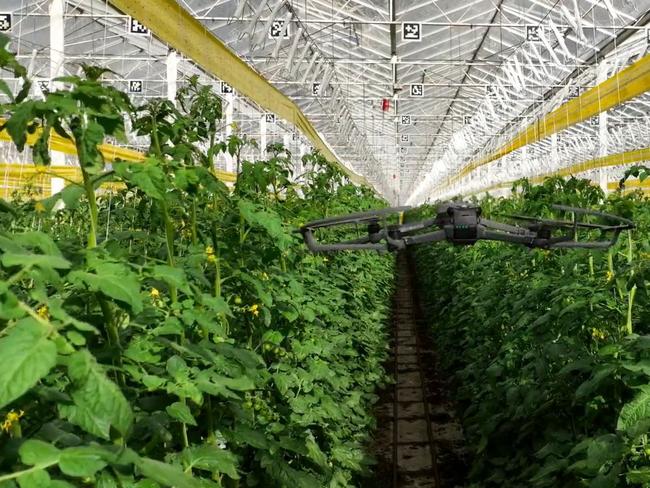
[(588, 245), (491, 235), (412, 227), (314, 246), (436, 236), (510, 229)]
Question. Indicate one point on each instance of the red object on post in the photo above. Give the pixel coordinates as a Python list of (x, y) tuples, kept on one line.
[(385, 104)]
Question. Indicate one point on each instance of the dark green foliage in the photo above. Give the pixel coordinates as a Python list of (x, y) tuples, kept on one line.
[(549, 350), (175, 333)]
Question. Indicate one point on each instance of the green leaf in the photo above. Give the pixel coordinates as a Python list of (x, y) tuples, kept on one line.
[(113, 280), (211, 458), (147, 176), (642, 366), (242, 434), (98, 402), (38, 240), (33, 452), (70, 196), (4, 88), (172, 276), (18, 123), (166, 474), (282, 472), (60, 484), (315, 452), (34, 479), (27, 355), (82, 461), (270, 222), (602, 450), (216, 304), (36, 260), (181, 412), (636, 410), (639, 476)]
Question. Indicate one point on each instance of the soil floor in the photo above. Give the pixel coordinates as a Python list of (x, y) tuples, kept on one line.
[(419, 442)]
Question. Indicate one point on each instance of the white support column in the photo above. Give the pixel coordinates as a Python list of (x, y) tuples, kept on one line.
[(523, 163), (172, 75), (230, 110), (57, 57), (554, 155), (263, 138), (603, 134)]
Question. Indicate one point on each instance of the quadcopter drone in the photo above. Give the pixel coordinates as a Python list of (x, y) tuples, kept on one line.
[(461, 223)]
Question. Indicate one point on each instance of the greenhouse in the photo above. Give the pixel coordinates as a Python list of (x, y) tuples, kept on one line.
[(324, 243)]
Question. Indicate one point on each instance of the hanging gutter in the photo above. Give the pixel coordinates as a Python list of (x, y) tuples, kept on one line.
[(618, 159), (174, 25), (620, 88)]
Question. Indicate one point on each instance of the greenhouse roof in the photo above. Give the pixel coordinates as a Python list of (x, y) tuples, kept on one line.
[(404, 92)]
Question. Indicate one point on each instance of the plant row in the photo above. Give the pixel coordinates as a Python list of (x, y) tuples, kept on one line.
[(549, 351), (176, 332)]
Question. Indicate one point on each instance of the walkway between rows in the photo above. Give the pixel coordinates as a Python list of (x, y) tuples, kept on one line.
[(419, 442)]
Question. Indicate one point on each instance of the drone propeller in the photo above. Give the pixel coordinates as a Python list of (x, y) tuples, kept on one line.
[(371, 216), (370, 242), (536, 223)]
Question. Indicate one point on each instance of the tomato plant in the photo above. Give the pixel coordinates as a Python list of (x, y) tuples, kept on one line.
[(175, 332), (548, 350)]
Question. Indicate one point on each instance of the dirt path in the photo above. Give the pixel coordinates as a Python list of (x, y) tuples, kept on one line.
[(419, 442)]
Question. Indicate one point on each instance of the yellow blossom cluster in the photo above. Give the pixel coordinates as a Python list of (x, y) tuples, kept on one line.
[(43, 312), (11, 419), (598, 334), (209, 253), (254, 309), (154, 294)]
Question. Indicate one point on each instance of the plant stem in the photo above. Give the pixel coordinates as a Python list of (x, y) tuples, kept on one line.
[(112, 334), (92, 205), (632, 292), (194, 237), (173, 292), (18, 474)]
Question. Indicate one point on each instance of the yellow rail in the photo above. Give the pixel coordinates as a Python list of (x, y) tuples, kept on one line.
[(618, 159), (174, 25), (57, 143), (620, 88)]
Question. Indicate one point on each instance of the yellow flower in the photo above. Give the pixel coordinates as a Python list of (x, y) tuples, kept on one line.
[(11, 418), (265, 277), (610, 276), (598, 334), (154, 293), (43, 312), (39, 207), (209, 252), (254, 309)]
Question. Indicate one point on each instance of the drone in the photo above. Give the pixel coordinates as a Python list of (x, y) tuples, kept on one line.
[(462, 224)]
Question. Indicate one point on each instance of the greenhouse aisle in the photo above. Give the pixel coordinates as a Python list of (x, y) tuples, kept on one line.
[(420, 441)]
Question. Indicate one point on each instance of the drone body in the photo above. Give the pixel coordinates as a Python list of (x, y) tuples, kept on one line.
[(462, 224)]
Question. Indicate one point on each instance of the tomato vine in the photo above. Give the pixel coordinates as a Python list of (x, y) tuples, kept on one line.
[(548, 350), (175, 332)]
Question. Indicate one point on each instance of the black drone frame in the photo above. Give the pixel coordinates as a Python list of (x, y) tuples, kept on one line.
[(462, 224)]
